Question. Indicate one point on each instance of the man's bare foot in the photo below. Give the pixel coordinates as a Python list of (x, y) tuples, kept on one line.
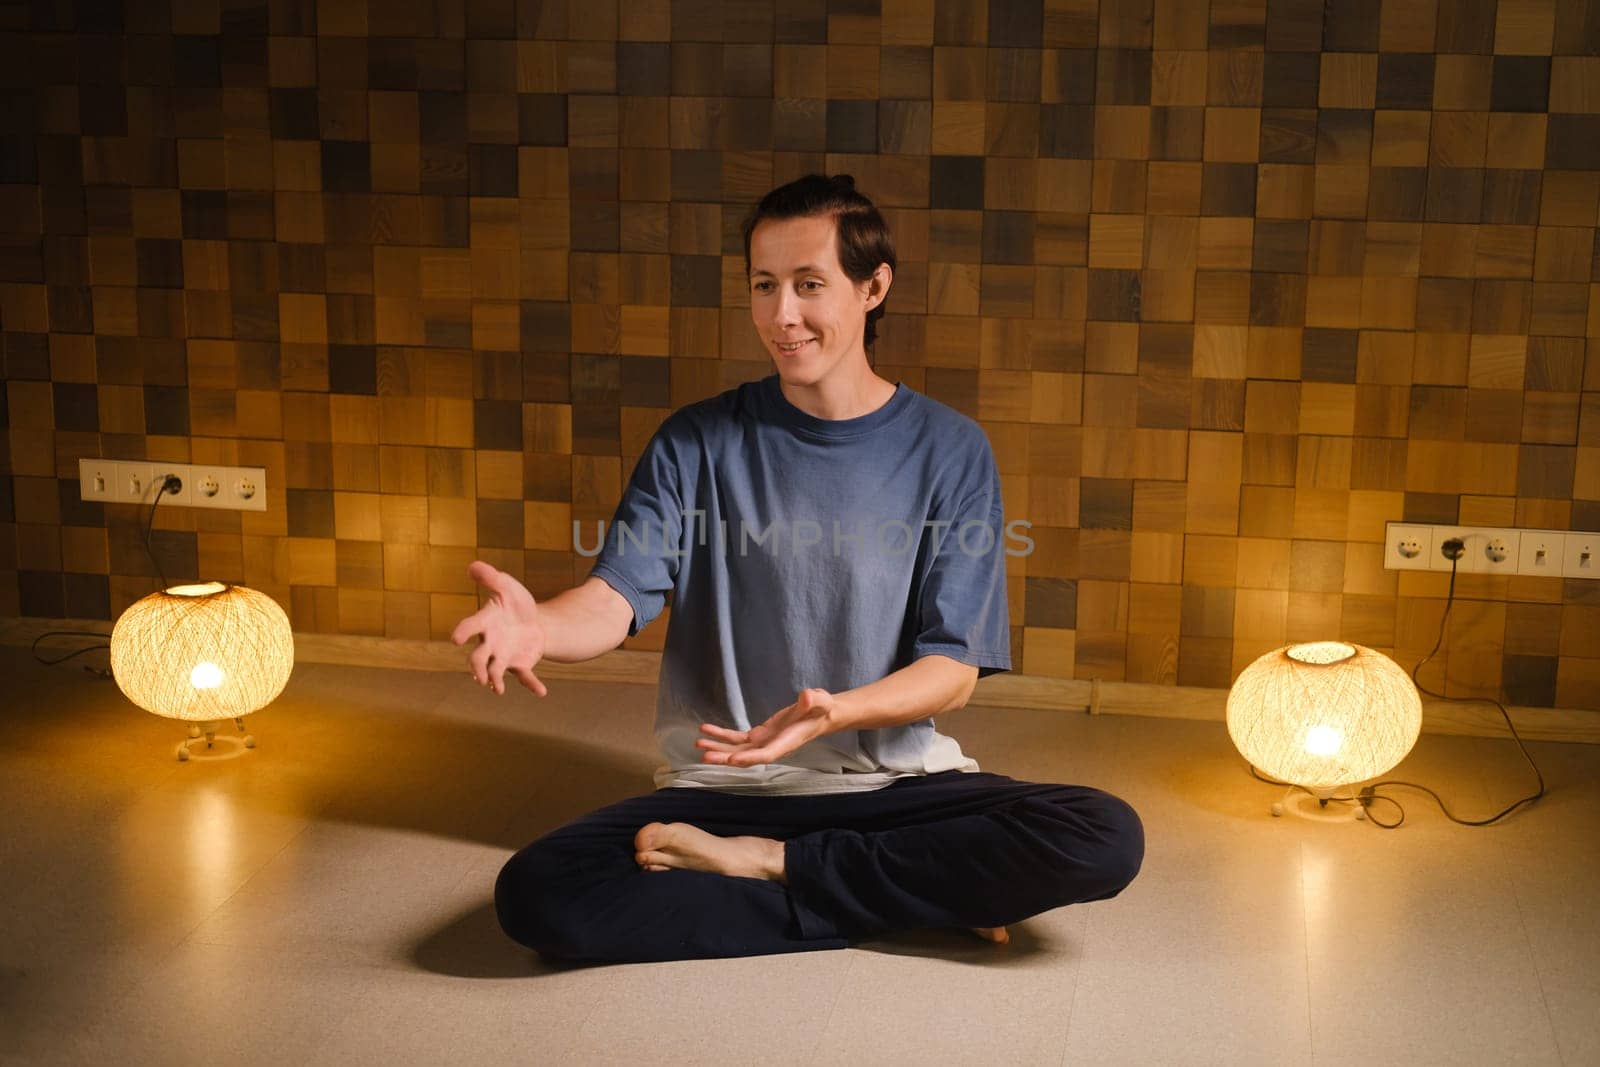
[(997, 934), (663, 846)]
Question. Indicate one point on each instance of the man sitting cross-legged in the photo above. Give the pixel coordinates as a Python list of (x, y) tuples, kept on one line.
[(834, 547)]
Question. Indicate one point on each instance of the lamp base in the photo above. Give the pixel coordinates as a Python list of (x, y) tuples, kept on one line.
[(209, 731), (1297, 801)]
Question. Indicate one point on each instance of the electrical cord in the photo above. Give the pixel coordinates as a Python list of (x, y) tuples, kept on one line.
[(1369, 793), (99, 672), (173, 483), (1529, 799)]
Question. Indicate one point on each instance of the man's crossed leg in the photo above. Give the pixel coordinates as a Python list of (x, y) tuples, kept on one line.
[(665, 846), (688, 873)]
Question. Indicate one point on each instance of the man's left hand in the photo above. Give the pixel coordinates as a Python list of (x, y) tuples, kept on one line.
[(807, 718)]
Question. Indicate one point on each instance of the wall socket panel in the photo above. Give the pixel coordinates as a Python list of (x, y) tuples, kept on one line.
[(123, 481), (1493, 550)]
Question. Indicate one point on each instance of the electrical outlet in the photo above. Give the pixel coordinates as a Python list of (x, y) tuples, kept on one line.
[(1579, 560), (97, 479), (1471, 557), (162, 469), (208, 487), (133, 482), (1542, 552), (1407, 547), (1498, 551), (247, 489)]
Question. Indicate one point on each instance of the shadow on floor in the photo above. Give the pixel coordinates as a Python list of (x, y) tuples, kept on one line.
[(471, 945)]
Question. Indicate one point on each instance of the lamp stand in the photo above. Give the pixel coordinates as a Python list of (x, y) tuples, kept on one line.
[(209, 729), (1315, 806)]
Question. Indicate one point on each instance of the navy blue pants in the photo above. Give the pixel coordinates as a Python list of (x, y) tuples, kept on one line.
[(942, 850)]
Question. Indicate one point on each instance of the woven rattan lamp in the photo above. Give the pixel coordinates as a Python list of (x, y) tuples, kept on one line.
[(1324, 715), (203, 653)]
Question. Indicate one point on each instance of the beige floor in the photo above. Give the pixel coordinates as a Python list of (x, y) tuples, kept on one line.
[(326, 899)]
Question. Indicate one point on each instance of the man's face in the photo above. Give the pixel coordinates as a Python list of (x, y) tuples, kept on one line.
[(809, 314)]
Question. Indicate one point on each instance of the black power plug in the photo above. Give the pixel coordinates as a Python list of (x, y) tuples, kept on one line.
[(1453, 548)]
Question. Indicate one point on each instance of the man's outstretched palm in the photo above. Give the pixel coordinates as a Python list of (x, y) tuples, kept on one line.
[(513, 637), (786, 730)]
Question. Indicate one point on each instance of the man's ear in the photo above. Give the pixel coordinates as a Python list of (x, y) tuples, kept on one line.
[(878, 285)]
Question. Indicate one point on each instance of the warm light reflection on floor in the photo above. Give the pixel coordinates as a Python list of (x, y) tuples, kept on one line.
[(1316, 887), (210, 833)]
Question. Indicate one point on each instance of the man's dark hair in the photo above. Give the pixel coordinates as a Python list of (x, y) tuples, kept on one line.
[(863, 236)]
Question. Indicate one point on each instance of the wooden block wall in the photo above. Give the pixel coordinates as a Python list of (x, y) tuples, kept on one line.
[(1229, 284)]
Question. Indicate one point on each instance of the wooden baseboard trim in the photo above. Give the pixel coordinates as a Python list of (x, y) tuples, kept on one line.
[(1001, 690)]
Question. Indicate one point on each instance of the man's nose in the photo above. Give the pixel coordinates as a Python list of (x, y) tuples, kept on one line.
[(786, 308)]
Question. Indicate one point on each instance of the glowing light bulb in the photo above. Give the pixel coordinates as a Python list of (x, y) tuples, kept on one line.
[(206, 675), (1323, 741)]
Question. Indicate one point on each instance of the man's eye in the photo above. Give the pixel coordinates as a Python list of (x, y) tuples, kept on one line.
[(762, 287), (811, 284)]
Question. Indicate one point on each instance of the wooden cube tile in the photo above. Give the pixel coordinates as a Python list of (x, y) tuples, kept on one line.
[(1348, 80), (1210, 560), (1313, 616), (1119, 186), (1262, 615), (960, 22), (1102, 606), (1322, 512), (1525, 28), (1550, 418), (1178, 78), (1122, 75), (1401, 138), (1049, 651), (1517, 141), (1266, 511), (1122, 131), (1235, 78)]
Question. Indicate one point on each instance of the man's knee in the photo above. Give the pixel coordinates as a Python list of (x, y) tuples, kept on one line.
[(1098, 838), (527, 902), (1119, 837)]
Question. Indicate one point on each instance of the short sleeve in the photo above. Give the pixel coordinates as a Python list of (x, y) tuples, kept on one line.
[(962, 611), (638, 555)]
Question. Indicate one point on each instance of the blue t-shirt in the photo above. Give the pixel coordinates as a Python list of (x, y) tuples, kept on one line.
[(804, 552)]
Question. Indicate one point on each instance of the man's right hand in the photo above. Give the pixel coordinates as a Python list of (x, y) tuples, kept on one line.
[(513, 637)]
